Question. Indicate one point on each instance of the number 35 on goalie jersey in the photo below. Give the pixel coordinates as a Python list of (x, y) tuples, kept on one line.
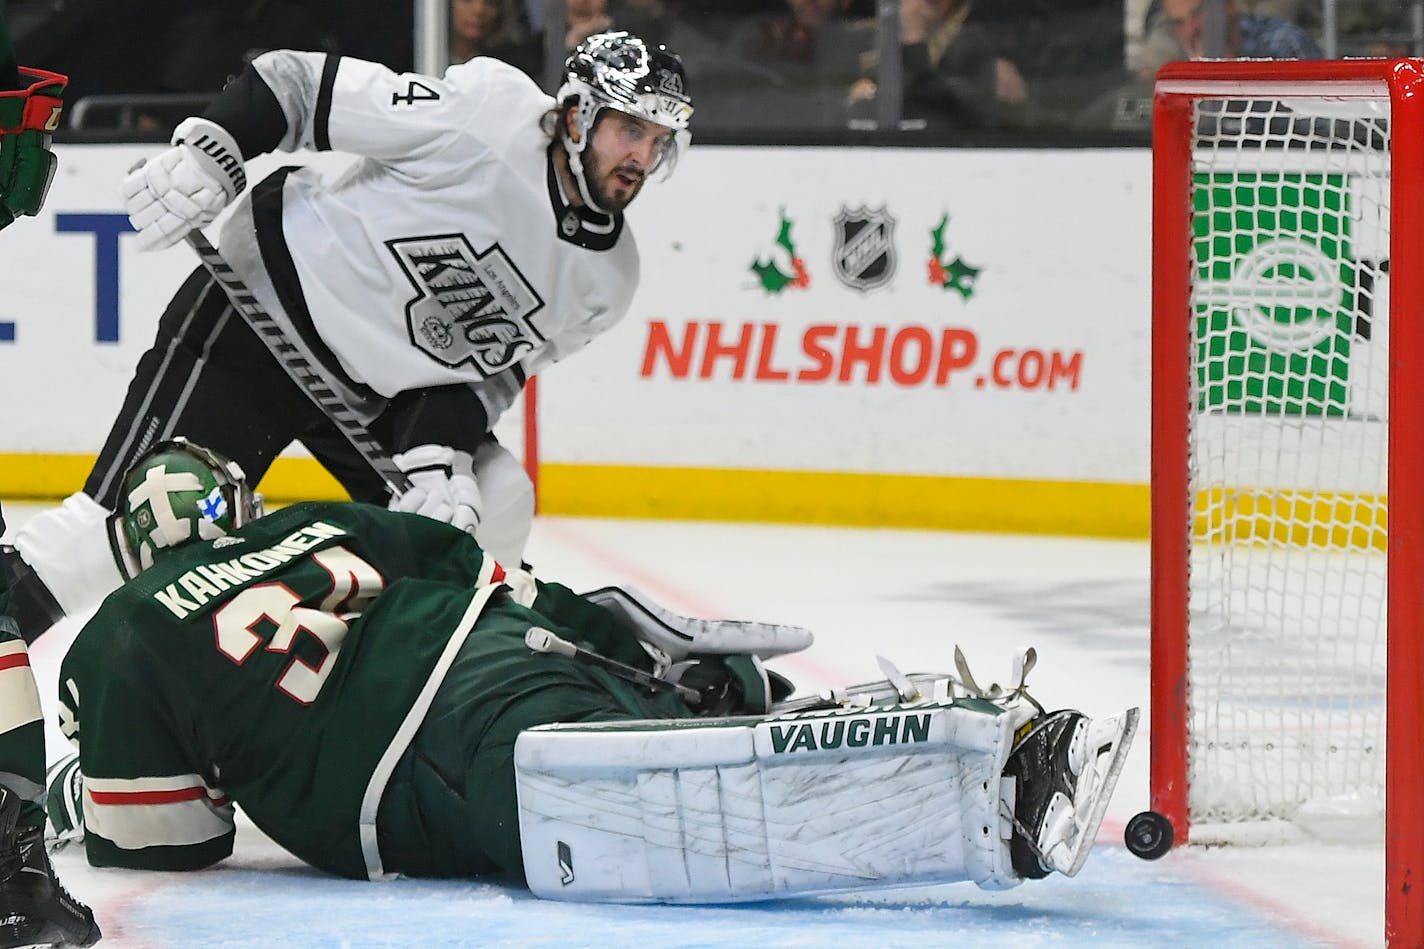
[(241, 669)]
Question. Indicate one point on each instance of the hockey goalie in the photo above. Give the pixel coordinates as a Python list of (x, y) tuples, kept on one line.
[(382, 698)]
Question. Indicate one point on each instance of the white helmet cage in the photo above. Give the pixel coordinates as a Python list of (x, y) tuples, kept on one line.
[(618, 71)]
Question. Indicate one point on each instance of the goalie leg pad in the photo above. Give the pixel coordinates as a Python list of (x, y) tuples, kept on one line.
[(718, 810)]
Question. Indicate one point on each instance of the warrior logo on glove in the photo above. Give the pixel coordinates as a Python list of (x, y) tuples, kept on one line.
[(222, 157)]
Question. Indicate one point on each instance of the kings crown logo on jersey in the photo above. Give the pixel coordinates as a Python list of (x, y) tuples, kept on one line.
[(470, 308)]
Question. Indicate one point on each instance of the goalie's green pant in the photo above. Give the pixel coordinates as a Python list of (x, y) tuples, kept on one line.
[(451, 808), (628, 799)]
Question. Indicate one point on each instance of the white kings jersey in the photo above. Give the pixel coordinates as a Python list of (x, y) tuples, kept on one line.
[(448, 253)]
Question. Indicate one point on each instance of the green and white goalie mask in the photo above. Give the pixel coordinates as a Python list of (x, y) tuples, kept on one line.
[(175, 493)]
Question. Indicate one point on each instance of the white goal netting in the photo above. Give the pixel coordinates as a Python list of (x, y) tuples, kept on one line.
[(1288, 449)]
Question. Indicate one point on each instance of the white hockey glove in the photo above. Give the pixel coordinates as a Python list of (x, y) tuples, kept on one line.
[(186, 186), (442, 486), (679, 636)]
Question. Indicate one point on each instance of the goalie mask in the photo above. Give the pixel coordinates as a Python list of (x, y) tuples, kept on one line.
[(175, 493), (618, 71)]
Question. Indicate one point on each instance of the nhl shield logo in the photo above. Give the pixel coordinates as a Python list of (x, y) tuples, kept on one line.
[(864, 255), (470, 308)]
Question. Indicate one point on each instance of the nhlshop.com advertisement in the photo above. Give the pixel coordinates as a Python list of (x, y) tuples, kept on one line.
[(940, 313)]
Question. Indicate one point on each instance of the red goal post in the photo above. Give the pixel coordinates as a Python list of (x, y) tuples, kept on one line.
[(1288, 252)]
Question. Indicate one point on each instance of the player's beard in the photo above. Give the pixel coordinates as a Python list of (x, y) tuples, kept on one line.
[(604, 185)]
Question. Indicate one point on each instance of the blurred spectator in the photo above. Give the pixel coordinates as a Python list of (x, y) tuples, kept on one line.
[(1069, 51), (585, 18), (203, 42), (649, 20), (1180, 33), (207, 42), (214, 41), (1383, 28), (376, 30), (787, 39), (484, 28), (697, 32), (532, 13), (96, 49), (954, 75), (791, 67), (1146, 23)]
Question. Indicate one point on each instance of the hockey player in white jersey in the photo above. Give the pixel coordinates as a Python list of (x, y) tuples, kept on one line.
[(479, 238)]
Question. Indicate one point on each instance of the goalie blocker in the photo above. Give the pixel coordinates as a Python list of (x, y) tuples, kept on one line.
[(879, 792)]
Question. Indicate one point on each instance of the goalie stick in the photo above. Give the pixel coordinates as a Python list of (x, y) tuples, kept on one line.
[(304, 372), (907, 688), (542, 640)]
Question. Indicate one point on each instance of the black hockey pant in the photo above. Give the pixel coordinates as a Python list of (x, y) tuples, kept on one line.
[(209, 378)]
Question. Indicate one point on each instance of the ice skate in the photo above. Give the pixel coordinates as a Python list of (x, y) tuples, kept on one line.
[(1066, 767), (35, 910)]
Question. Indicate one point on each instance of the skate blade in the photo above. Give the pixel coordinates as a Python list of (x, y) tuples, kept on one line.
[(1108, 744)]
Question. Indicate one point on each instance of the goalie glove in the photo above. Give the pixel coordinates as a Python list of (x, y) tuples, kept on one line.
[(678, 636), (185, 187), (442, 486), (730, 684)]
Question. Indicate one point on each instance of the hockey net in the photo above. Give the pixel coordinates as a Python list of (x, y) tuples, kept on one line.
[(1286, 614)]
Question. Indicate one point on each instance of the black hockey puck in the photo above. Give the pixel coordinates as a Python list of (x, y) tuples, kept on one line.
[(1148, 835)]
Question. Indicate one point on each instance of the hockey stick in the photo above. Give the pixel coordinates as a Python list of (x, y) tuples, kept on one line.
[(541, 640), (302, 370)]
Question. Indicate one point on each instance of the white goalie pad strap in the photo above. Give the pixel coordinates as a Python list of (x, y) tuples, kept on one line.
[(679, 636), (718, 810)]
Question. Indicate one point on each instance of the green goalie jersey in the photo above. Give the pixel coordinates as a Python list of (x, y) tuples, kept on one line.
[(277, 668)]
